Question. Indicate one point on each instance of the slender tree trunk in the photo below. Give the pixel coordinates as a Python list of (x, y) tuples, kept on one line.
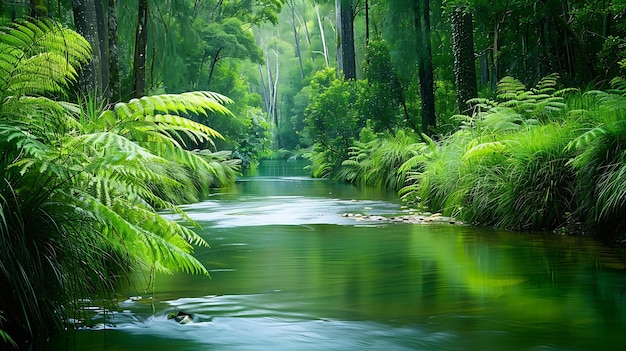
[(103, 42), (484, 69), (464, 62), (270, 88), (141, 43), (114, 66), (275, 88), (554, 9), (90, 79), (320, 23), (216, 57), (421, 11), (345, 45), (272, 84), (292, 6), (367, 22), (302, 20), (264, 91)]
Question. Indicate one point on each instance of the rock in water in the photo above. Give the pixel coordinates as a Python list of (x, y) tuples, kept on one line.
[(181, 317)]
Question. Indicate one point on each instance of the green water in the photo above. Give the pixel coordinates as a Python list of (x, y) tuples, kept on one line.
[(288, 272)]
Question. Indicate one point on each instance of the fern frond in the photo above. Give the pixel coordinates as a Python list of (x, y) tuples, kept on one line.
[(509, 85), (587, 137), (482, 150), (619, 86), (199, 103), (180, 123), (40, 57)]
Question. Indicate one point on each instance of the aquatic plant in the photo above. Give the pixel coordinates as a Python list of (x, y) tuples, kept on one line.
[(81, 186)]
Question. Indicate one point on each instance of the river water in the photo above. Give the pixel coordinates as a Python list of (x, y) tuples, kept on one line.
[(289, 272)]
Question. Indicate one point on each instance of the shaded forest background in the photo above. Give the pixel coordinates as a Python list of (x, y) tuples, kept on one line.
[(422, 60)]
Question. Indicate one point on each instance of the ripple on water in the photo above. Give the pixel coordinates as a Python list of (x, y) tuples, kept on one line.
[(246, 322)]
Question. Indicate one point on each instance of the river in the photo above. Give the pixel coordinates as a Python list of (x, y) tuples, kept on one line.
[(289, 272)]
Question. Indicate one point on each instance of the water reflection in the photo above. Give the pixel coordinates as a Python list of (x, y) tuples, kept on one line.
[(289, 273)]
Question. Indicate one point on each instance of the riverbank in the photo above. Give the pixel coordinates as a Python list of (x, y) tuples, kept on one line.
[(531, 159)]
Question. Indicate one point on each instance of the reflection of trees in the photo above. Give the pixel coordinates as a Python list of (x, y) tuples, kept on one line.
[(459, 279), (517, 277)]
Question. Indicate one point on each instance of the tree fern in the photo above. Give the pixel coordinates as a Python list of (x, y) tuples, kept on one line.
[(86, 185)]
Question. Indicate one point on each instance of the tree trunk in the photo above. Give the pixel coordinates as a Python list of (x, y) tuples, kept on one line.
[(554, 9), (421, 10), (90, 79), (264, 91), (103, 43), (367, 22), (292, 6), (464, 62), (322, 34), (114, 65), (302, 20), (141, 43), (216, 57), (346, 56)]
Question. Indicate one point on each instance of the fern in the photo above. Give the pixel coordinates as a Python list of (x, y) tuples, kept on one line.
[(39, 57), (85, 186)]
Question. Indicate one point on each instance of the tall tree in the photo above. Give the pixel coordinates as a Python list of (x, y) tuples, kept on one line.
[(85, 20), (320, 23), (292, 7), (421, 13), (141, 44), (346, 55), (464, 62), (114, 65), (103, 46)]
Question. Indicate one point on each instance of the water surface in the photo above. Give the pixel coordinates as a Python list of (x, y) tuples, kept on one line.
[(289, 272)]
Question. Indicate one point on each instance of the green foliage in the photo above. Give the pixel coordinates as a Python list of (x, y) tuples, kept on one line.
[(39, 58), (516, 105), (330, 120), (378, 162), (254, 140), (601, 162), (508, 164), (80, 187), (380, 99)]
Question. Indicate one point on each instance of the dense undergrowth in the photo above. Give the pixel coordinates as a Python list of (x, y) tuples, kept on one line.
[(81, 186), (529, 159)]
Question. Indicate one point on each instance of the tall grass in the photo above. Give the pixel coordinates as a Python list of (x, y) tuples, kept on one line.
[(508, 165), (600, 162), (532, 160)]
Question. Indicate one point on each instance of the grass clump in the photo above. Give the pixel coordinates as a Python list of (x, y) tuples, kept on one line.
[(531, 160)]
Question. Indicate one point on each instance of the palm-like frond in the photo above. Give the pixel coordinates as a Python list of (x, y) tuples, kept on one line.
[(40, 57)]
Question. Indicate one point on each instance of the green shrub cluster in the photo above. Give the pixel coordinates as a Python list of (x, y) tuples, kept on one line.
[(531, 159), (536, 158)]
